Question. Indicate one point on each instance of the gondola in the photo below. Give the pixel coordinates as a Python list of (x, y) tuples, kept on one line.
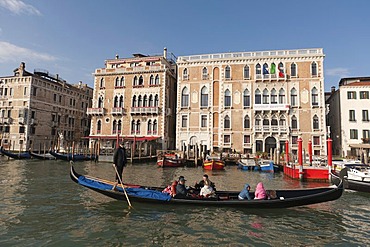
[(144, 194), (72, 157), (46, 156), (361, 186), (17, 156)]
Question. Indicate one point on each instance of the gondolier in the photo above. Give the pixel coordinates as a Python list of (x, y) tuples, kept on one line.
[(119, 161)]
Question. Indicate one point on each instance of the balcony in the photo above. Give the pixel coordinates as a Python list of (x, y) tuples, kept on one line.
[(95, 111), (145, 110), (118, 111), (271, 129), (271, 107), (6, 120)]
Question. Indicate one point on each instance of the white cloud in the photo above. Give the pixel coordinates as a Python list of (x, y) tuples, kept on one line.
[(13, 53), (340, 72), (19, 7)]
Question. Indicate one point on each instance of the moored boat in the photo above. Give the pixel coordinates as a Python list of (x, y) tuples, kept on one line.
[(72, 157), (213, 164), (352, 180), (170, 162), (266, 166), (17, 156), (147, 194), (246, 164), (45, 156)]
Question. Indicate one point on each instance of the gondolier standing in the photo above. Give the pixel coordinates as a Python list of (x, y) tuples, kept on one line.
[(119, 161)]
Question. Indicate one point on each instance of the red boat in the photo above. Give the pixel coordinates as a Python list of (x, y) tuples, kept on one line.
[(170, 161), (214, 164)]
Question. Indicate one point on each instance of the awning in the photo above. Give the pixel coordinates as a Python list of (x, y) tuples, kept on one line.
[(361, 145)]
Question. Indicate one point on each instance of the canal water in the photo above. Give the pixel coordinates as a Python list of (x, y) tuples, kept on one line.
[(41, 206)]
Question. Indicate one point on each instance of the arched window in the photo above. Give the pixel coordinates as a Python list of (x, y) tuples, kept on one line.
[(265, 96), (156, 80), (185, 97), (315, 96), (293, 70), (273, 96), (204, 97), (133, 127), (281, 70), (293, 97), (98, 127), (151, 80), (274, 121), (266, 122), (257, 121), (141, 80), (281, 96), (185, 75), (155, 126), (204, 73), (227, 72), (315, 122), (258, 69), (227, 98), (138, 127), (149, 128), (257, 97), (246, 72), (314, 69), (227, 122), (282, 121), (115, 102), (134, 103), (135, 81), (116, 83), (101, 85), (156, 100), (151, 101), (122, 82), (265, 69), (114, 127), (294, 122), (273, 70), (139, 101), (119, 126), (247, 123), (246, 98), (100, 102), (121, 101), (145, 101)]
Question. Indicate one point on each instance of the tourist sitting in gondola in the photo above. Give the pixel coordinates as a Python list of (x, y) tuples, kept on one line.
[(181, 190), (171, 189), (244, 194), (260, 193), (207, 190), (203, 181)]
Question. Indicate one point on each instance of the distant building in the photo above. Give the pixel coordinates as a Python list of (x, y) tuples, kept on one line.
[(135, 100), (251, 101), (38, 109), (348, 117)]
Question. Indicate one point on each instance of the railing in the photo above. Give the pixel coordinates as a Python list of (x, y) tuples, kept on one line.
[(145, 110), (118, 111), (276, 53), (271, 107), (6, 120), (281, 129), (95, 111)]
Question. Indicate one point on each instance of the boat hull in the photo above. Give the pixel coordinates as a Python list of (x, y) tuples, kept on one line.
[(287, 198), (170, 162), (17, 156), (213, 165), (72, 157), (351, 184)]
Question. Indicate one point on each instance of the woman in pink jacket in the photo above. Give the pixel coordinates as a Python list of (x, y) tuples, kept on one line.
[(260, 192)]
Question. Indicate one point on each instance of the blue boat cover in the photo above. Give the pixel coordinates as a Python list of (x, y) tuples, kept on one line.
[(137, 192)]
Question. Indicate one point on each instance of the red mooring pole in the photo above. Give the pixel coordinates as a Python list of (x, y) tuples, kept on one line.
[(287, 152), (310, 151)]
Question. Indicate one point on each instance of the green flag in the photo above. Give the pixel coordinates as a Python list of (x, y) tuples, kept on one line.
[(272, 70)]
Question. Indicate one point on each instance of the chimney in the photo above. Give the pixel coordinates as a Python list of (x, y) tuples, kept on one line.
[(332, 89), (165, 52)]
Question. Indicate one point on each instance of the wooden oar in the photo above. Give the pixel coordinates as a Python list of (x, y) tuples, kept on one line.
[(119, 178)]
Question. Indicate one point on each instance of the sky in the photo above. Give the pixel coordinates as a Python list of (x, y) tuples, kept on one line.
[(72, 38)]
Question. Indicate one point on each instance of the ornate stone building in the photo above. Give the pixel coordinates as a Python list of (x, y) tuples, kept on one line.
[(251, 101), (135, 100), (38, 108)]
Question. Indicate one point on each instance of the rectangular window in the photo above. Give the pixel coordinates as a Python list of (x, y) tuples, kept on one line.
[(247, 139), (227, 139), (21, 129), (353, 134), (351, 95), (316, 140), (364, 94), (246, 100), (184, 121), (365, 134), (258, 99), (294, 100), (352, 115), (203, 123), (365, 115)]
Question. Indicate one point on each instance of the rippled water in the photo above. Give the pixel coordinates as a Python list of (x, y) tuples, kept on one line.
[(41, 206)]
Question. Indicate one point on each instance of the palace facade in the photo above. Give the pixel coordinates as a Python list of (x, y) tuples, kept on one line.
[(251, 102), (134, 100), (39, 109)]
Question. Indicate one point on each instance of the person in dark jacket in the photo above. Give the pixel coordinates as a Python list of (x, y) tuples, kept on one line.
[(181, 190), (119, 161)]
